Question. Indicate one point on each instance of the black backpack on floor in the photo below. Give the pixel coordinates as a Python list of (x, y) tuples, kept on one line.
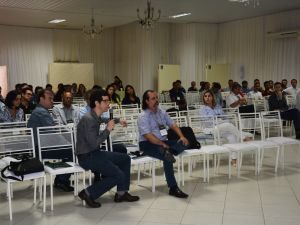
[(189, 134)]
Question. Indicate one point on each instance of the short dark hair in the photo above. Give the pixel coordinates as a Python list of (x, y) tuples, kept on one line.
[(10, 97), (42, 93), (277, 83), (48, 85), (235, 85), (96, 95), (26, 89), (244, 82), (266, 82), (145, 98)]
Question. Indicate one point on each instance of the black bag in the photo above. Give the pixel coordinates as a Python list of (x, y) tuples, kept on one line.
[(189, 134), (23, 167)]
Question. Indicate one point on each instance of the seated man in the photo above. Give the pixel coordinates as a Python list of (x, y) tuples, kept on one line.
[(277, 101), (114, 166), (255, 94), (66, 112), (235, 100), (41, 117), (26, 104), (152, 125), (177, 95)]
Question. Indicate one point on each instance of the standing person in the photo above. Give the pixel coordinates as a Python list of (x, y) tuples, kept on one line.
[(277, 101), (12, 112), (152, 125), (115, 167), (41, 117), (130, 96)]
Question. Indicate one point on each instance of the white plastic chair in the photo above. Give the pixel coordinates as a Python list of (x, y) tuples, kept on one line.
[(16, 142), (12, 125), (273, 124), (57, 139), (252, 122), (239, 147)]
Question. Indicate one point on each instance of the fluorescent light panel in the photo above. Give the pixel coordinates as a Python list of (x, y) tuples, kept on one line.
[(180, 15), (57, 21)]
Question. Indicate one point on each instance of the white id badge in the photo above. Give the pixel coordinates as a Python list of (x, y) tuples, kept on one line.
[(178, 98), (163, 130)]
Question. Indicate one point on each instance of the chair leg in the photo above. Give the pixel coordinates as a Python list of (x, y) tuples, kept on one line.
[(34, 191), (277, 159), (139, 174), (207, 161), (44, 193), (204, 167), (182, 170), (229, 166), (51, 192), (153, 177), (9, 199)]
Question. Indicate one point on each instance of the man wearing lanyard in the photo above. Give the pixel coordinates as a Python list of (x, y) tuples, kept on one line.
[(152, 125)]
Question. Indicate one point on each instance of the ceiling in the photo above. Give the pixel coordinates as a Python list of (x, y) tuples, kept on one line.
[(110, 13)]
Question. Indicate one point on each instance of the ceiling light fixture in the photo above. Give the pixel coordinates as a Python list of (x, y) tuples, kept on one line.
[(149, 19), (92, 31), (57, 21), (255, 3), (180, 15)]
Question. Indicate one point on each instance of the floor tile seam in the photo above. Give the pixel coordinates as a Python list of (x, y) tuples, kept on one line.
[(294, 193), (224, 205), (189, 200), (261, 204)]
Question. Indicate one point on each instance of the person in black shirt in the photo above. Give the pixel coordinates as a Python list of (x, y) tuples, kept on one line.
[(27, 105), (277, 101), (130, 96)]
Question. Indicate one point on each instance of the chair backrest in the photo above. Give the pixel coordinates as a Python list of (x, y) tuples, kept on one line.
[(130, 106), (272, 124), (16, 141), (55, 138), (181, 121), (125, 135), (192, 98), (251, 122), (260, 105), (11, 125), (229, 111), (168, 105), (290, 101), (173, 114)]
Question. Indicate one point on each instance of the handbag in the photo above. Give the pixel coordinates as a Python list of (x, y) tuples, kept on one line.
[(23, 167)]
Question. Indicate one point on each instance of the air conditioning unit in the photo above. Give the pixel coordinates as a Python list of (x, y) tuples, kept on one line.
[(284, 34)]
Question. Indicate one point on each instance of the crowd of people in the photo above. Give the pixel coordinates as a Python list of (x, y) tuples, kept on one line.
[(112, 168)]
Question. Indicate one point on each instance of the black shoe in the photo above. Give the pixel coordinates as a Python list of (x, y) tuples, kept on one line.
[(90, 202), (167, 155), (175, 191), (63, 187), (126, 197)]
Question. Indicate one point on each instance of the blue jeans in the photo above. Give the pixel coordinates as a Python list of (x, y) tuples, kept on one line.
[(154, 151), (114, 166)]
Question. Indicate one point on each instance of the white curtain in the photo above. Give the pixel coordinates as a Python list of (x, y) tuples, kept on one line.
[(27, 53), (134, 54)]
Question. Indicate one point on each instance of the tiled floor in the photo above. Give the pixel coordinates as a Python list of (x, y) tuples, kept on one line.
[(267, 199)]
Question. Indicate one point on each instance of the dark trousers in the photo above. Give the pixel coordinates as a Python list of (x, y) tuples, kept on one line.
[(114, 166), (293, 115), (155, 151)]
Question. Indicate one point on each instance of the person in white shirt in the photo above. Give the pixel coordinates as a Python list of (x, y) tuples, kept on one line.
[(255, 94), (66, 112), (293, 89), (235, 100)]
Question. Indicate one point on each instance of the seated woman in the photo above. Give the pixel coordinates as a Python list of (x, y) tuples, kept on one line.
[(11, 111), (114, 98), (130, 96), (227, 130)]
